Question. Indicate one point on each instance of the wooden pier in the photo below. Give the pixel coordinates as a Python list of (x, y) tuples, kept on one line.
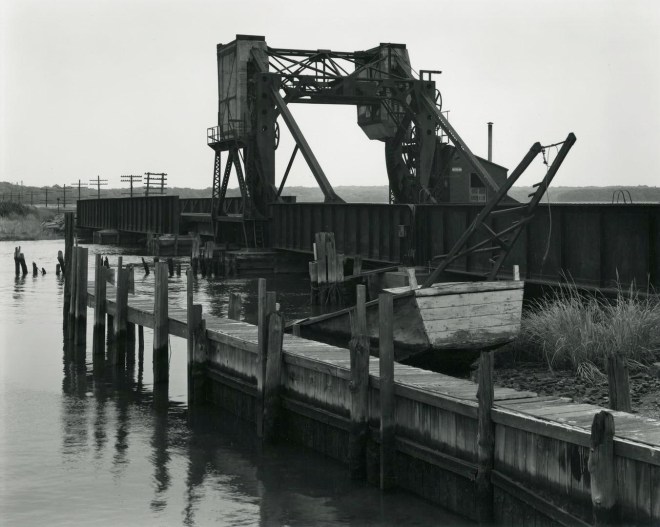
[(506, 456)]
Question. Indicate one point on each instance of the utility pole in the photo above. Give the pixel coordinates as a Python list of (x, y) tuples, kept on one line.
[(79, 187), (131, 179), (46, 189), (98, 182), (156, 178), (64, 198)]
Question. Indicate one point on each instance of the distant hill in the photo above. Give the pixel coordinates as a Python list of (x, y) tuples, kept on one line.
[(352, 194)]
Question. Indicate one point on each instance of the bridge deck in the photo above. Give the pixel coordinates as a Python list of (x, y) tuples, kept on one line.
[(558, 410)]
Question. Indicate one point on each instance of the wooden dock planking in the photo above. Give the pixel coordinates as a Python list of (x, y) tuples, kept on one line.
[(447, 423)]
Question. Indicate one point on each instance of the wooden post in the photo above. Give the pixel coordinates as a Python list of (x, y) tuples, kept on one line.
[(60, 260), (21, 261), (170, 266), (359, 386), (387, 402), (121, 314), (145, 265), (272, 384), (178, 268), (412, 277), (357, 265), (140, 338), (602, 470), (314, 283), (340, 268), (161, 325), (57, 269), (196, 362), (68, 255), (516, 272), (295, 330), (485, 439), (235, 305), (266, 305), (17, 265), (262, 333), (617, 379), (131, 278), (72, 275), (80, 323), (99, 307), (35, 269)]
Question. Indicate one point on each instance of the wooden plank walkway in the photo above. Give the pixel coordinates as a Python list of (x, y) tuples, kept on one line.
[(559, 410)]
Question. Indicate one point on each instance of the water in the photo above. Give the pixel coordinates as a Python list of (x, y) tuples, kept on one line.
[(79, 447)]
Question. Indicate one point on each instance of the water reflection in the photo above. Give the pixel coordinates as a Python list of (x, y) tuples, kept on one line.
[(92, 442)]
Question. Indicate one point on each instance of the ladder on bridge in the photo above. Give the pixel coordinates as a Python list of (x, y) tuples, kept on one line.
[(500, 242)]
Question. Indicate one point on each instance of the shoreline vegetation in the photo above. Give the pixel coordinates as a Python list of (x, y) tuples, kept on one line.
[(20, 222)]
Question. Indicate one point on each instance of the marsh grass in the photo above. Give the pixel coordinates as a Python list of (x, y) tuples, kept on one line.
[(577, 331), (21, 222)]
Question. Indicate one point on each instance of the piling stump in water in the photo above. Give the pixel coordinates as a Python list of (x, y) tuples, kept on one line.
[(35, 269), (60, 264), (145, 266), (161, 329), (359, 386), (170, 266)]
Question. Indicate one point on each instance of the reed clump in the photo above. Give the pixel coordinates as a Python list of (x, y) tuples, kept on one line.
[(577, 331), (22, 222)]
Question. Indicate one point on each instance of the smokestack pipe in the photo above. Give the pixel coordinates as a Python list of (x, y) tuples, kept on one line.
[(490, 141)]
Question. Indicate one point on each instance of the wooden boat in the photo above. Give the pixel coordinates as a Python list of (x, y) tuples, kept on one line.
[(455, 317)]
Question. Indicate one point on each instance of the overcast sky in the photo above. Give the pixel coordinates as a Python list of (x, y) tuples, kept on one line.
[(116, 87)]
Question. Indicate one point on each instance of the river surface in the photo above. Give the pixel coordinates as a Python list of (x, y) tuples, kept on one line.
[(86, 447)]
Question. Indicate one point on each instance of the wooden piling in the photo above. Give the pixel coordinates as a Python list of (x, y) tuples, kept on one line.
[(617, 380), (141, 338), (21, 261), (57, 269), (161, 329), (272, 384), (121, 314), (412, 277), (195, 346), (170, 266), (235, 305), (35, 269), (178, 268), (17, 265), (314, 283), (72, 276), (99, 307), (81, 295), (145, 266), (359, 387), (266, 306), (602, 470), (60, 260), (357, 265), (68, 250), (485, 439), (130, 268), (387, 402)]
